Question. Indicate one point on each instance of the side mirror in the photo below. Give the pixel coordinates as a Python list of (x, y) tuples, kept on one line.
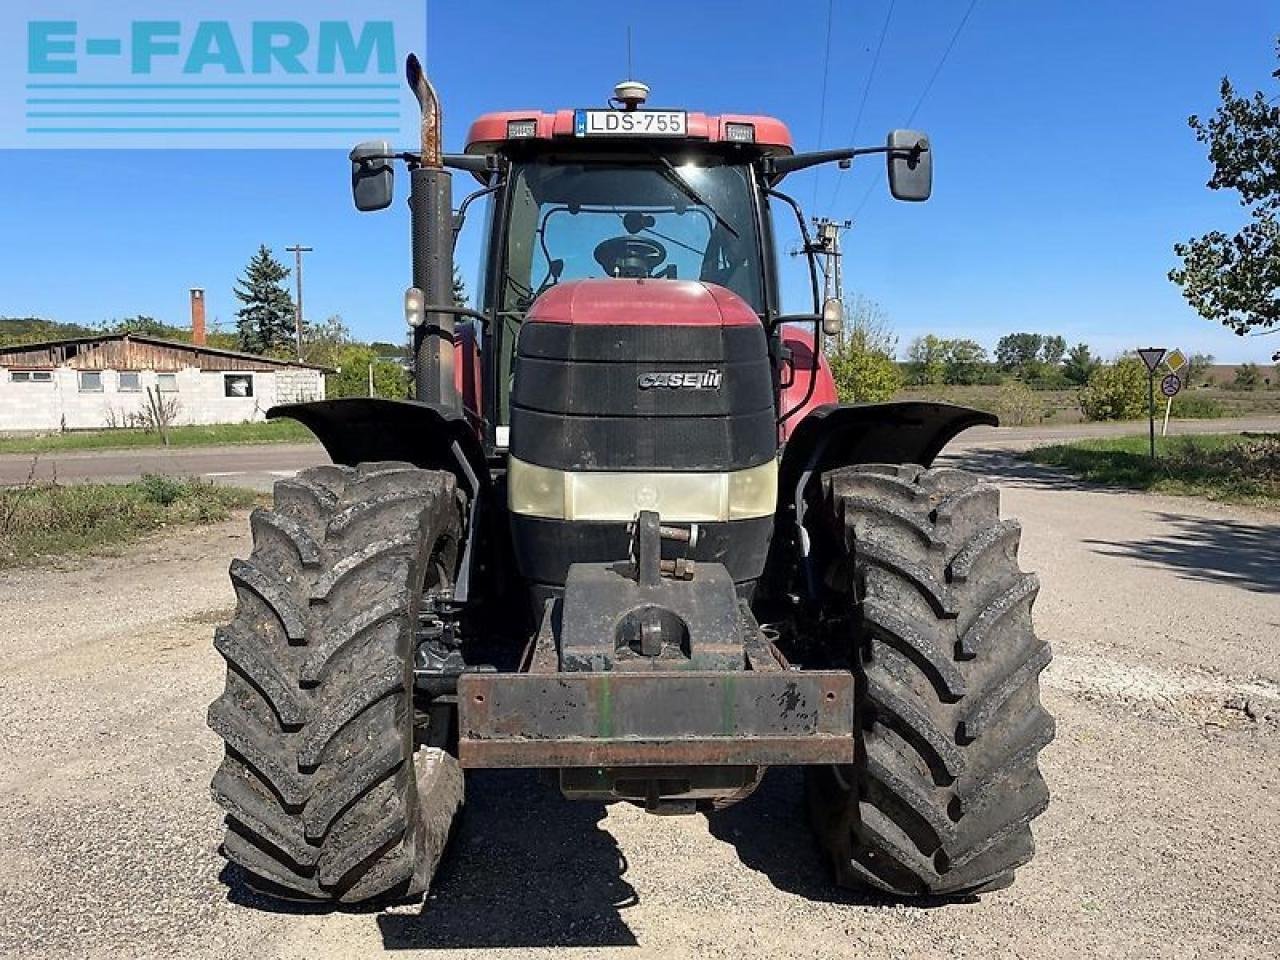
[(832, 317), (910, 160), (372, 176)]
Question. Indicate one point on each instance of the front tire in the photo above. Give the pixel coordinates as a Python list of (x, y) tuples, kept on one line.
[(321, 787), (937, 628)]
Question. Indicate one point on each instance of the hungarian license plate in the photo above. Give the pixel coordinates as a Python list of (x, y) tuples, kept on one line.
[(630, 123)]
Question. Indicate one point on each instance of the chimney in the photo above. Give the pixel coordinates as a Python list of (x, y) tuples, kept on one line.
[(197, 317)]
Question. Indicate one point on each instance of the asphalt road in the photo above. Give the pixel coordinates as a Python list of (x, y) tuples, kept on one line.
[(1161, 841), (259, 466)]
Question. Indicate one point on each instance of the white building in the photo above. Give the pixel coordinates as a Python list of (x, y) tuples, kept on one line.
[(96, 382)]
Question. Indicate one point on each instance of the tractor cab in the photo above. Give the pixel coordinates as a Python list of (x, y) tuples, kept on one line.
[(622, 194)]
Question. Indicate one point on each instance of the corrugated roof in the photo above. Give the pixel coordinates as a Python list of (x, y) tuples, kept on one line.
[(160, 342)]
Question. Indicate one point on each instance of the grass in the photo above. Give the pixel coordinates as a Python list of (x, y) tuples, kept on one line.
[(271, 431), (1021, 408), (40, 521), (1235, 468)]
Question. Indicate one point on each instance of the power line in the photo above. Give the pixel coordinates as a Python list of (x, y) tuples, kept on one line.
[(866, 90), (822, 105), (923, 95)]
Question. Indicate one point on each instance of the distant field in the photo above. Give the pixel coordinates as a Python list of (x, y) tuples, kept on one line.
[(1013, 405), (1018, 407), (1236, 468), (274, 431)]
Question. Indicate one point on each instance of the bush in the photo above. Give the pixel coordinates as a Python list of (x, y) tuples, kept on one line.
[(1017, 405), (1117, 392), (1248, 377), (864, 375), (1196, 406)]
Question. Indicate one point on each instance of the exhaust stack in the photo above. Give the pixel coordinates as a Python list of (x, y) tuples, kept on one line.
[(431, 217)]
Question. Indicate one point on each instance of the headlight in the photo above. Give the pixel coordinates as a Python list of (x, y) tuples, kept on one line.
[(678, 497)]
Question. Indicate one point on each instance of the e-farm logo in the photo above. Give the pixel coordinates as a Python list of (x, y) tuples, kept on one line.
[(234, 73)]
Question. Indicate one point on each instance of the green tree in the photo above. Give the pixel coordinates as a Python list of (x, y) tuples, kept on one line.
[(353, 362), (926, 360), (1052, 350), (861, 360), (324, 341), (1079, 364), (1116, 392), (1019, 351), (863, 374), (1248, 377), (1198, 366), (459, 289), (266, 321), (965, 361), (1235, 279)]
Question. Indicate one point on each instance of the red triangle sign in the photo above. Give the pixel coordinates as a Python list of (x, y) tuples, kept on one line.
[(1152, 356)]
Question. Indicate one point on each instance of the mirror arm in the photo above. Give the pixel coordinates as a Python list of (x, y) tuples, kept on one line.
[(808, 250), (460, 218), (470, 163), (775, 168)]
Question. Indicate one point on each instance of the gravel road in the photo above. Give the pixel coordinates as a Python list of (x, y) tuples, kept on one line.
[(1162, 839)]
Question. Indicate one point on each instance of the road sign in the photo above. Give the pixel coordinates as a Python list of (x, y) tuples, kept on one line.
[(1152, 356), (1174, 360), (1170, 385)]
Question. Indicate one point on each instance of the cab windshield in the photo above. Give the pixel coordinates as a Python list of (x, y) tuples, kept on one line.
[(665, 220)]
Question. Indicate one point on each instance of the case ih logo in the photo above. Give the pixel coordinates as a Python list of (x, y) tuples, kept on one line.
[(710, 380)]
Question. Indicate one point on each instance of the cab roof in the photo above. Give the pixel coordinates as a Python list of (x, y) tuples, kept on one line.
[(489, 134)]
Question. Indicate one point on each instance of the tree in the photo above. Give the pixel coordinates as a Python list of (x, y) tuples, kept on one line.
[(926, 359), (965, 361), (1052, 350), (1235, 279), (266, 322), (353, 362), (1117, 392), (1079, 364), (1248, 377), (864, 375), (459, 289), (323, 342), (862, 360), (1198, 365), (1018, 351)]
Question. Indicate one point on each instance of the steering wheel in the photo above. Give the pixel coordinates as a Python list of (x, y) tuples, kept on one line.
[(635, 257)]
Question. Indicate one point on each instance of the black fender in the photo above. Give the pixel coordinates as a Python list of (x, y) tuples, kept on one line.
[(840, 436), (365, 429), (906, 432)]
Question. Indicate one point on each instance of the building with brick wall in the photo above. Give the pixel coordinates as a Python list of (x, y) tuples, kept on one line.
[(95, 382)]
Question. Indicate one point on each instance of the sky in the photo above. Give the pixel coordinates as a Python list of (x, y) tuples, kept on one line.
[(1064, 167)]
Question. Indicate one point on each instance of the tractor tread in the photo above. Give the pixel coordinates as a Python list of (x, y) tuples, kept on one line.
[(946, 782), (318, 782)]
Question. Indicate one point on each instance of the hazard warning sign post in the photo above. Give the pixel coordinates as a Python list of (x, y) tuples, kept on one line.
[(1151, 357)]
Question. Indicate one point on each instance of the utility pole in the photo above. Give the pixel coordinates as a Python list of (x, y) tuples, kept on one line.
[(298, 250), (826, 245)]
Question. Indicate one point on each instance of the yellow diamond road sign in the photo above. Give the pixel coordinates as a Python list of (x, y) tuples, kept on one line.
[(1175, 360)]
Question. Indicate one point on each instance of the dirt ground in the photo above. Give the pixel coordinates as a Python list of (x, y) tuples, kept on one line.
[(1162, 840)]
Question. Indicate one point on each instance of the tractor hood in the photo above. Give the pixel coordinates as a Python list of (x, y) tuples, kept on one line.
[(629, 302)]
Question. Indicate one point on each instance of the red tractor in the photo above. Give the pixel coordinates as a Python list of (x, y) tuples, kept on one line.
[(625, 533)]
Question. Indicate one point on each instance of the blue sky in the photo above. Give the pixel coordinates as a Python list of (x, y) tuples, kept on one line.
[(1065, 169)]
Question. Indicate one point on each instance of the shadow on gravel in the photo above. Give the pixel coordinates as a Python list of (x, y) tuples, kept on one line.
[(1215, 550), (527, 868), (1007, 469), (770, 832)]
